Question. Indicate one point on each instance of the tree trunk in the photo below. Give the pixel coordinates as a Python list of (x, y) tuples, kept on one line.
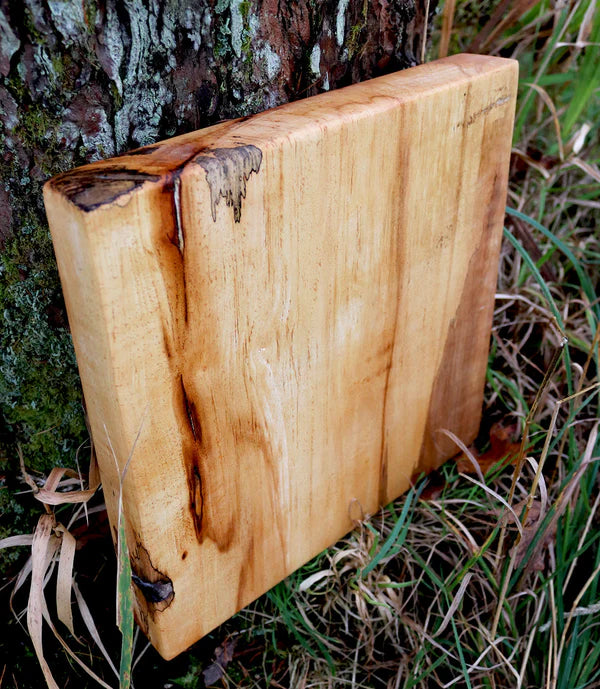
[(88, 79)]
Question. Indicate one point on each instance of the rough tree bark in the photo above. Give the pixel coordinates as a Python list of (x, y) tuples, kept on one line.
[(86, 79)]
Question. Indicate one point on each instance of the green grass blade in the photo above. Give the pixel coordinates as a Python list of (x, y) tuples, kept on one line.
[(510, 385), (125, 608), (588, 79), (463, 665), (565, 677), (398, 533), (294, 622), (591, 668), (555, 312), (538, 278), (528, 99), (432, 668), (584, 279)]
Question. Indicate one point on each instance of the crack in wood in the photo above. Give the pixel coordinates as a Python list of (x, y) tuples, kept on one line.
[(190, 410), (194, 475), (178, 222), (176, 234)]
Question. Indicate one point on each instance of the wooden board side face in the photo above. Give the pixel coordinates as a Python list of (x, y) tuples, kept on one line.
[(282, 320)]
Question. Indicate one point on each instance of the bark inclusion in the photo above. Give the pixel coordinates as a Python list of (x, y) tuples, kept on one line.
[(90, 189), (154, 585), (227, 171)]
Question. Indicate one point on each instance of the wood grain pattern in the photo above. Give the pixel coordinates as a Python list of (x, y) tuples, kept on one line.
[(285, 309)]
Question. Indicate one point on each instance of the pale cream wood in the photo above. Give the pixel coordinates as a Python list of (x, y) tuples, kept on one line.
[(284, 310)]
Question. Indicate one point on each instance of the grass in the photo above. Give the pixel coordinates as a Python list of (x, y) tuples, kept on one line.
[(447, 587)]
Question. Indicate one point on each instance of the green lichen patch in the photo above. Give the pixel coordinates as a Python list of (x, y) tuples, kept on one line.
[(40, 396)]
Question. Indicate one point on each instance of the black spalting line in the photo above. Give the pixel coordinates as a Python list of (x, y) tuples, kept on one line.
[(197, 501), (154, 585), (227, 171), (194, 475), (190, 411), (89, 189)]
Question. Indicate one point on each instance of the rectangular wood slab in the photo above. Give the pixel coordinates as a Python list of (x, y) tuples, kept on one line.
[(278, 314)]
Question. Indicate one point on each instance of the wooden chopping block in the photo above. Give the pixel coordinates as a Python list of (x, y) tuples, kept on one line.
[(275, 316)]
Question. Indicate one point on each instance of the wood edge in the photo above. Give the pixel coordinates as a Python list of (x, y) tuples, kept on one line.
[(63, 219), (112, 181), (62, 216)]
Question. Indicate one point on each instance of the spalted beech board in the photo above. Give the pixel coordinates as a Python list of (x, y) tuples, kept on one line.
[(278, 314)]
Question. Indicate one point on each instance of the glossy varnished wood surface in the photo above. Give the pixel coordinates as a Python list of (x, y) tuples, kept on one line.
[(283, 310)]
